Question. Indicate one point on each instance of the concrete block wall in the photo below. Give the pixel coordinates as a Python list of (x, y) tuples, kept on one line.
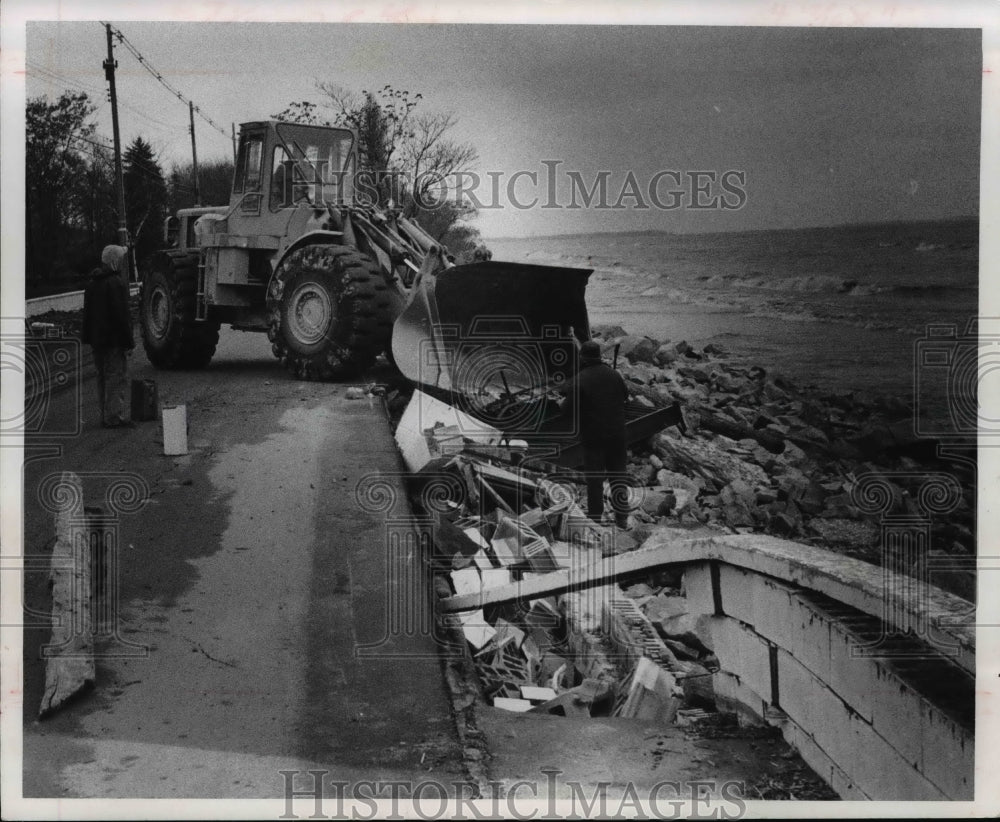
[(733, 694), (890, 740)]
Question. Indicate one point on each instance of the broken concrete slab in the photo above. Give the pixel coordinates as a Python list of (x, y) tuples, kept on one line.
[(537, 693), (70, 666), (494, 577), (476, 629), (577, 701), (466, 580), (650, 692)]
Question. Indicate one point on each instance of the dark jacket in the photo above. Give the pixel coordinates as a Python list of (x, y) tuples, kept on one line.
[(598, 395), (107, 322)]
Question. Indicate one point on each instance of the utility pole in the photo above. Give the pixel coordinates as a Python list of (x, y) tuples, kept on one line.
[(194, 156), (233, 125), (109, 72)]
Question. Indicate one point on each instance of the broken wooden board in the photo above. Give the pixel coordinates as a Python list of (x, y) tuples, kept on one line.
[(606, 570), (69, 666), (856, 583)]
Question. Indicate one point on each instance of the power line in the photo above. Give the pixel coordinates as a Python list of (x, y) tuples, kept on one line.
[(165, 83), (52, 76), (92, 142)]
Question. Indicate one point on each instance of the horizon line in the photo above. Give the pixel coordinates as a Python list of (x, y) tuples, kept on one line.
[(864, 224)]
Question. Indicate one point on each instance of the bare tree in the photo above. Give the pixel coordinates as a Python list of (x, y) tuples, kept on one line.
[(409, 153), (429, 156)]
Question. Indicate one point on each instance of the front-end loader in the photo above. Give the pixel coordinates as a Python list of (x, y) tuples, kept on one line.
[(298, 254)]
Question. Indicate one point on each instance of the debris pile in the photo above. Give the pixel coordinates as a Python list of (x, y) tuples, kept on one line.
[(597, 652)]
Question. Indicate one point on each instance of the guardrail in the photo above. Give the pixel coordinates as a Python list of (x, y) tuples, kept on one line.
[(70, 301)]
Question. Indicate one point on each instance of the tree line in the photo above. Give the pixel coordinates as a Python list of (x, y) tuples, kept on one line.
[(72, 206), (71, 209)]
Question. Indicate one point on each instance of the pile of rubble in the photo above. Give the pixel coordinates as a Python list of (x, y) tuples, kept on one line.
[(606, 651), (765, 455)]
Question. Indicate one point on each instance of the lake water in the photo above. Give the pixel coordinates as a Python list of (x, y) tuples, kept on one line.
[(840, 308)]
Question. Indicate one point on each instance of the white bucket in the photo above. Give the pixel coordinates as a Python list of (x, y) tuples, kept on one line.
[(175, 439)]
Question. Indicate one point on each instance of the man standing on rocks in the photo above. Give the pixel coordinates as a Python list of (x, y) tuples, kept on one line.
[(107, 327), (596, 397)]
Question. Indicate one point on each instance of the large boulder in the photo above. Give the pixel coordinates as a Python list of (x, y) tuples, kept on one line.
[(665, 355), (639, 372), (812, 498), (725, 383), (653, 500), (697, 683), (792, 484), (606, 331), (691, 629), (738, 502), (664, 606), (696, 374), (638, 349), (840, 506), (671, 479)]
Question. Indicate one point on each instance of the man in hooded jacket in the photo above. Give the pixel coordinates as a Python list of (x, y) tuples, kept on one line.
[(107, 327)]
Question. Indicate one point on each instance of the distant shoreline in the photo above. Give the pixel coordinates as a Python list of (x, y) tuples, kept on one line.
[(656, 232)]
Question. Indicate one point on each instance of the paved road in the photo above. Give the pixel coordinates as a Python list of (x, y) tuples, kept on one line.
[(251, 575)]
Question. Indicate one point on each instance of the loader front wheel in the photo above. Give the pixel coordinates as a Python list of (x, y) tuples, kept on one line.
[(171, 335), (328, 312)]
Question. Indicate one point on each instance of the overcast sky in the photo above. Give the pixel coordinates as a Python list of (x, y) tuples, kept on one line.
[(828, 125)]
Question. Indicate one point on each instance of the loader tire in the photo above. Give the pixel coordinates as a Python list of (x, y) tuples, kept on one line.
[(171, 335), (328, 312)]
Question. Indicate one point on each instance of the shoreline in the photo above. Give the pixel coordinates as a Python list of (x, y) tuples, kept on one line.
[(765, 454), (844, 308)]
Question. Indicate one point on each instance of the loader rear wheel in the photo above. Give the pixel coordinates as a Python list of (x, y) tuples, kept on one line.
[(171, 335), (328, 312)]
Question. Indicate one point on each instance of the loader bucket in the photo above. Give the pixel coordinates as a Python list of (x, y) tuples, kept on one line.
[(492, 330)]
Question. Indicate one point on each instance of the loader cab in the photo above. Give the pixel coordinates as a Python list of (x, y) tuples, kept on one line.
[(282, 166)]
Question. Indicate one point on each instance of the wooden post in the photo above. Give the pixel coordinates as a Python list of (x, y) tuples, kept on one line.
[(194, 156), (109, 72)]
